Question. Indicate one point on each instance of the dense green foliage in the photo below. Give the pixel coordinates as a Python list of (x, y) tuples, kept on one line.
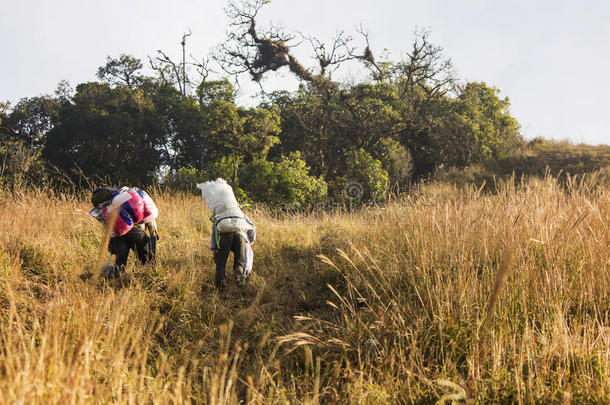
[(299, 148), (286, 150)]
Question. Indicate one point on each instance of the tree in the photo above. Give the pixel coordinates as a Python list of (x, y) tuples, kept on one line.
[(107, 134), (4, 107), (326, 125), (476, 126), (63, 92), (18, 161), (371, 112), (309, 125), (295, 186), (396, 159), (249, 50), (209, 91), (175, 73), (123, 71), (31, 119), (223, 127), (425, 69), (23, 133), (258, 50), (260, 129), (242, 134), (188, 140), (326, 119)]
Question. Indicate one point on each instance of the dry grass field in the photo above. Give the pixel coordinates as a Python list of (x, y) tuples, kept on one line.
[(444, 295)]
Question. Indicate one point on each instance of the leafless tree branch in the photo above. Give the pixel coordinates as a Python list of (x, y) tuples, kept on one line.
[(170, 67)]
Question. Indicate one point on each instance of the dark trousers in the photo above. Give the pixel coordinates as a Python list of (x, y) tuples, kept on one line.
[(135, 239), (230, 242)]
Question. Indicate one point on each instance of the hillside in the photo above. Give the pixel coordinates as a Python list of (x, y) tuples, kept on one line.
[(540, 157), (444, 293), (559, 157)]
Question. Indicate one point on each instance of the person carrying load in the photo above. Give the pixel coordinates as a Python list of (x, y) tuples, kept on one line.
[(128, 208), (232, 231)]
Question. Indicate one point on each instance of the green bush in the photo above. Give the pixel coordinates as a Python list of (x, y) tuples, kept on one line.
[(185, 179), (295, 185), (286, 182), (396, 159), (364, 179)]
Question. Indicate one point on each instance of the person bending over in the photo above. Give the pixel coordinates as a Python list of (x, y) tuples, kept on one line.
[(232, 231), (136, 208)]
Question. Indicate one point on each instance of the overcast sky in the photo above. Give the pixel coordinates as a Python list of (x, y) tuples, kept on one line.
[(551, 58)]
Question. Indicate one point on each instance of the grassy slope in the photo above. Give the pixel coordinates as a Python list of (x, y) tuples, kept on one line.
[(396, 317), (539, 158), (558, 157)]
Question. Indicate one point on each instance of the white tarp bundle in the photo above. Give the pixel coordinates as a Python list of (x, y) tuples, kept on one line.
[(219, 197)]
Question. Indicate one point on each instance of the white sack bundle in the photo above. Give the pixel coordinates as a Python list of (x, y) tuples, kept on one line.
[(219, 197)]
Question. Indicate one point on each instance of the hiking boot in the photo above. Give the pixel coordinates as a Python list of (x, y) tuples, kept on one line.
[(241, 281)]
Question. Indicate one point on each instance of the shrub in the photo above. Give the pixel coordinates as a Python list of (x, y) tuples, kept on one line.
[(185, 179), (363, 180), (286, 182)]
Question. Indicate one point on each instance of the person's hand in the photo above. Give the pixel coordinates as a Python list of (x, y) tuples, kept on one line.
[(152, 230)]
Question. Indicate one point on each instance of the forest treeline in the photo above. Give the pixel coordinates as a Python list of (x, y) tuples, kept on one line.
[(406, 119)]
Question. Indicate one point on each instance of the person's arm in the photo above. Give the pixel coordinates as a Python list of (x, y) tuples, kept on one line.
[(214, 242), (119, 200), (251, 232), (151, 227)]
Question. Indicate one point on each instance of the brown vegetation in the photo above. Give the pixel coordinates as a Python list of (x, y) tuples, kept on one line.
[(444, 294)]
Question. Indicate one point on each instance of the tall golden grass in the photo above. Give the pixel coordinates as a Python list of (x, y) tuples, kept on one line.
[(447, 294)]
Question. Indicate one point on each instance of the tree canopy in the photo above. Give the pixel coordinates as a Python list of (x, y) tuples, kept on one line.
[(301, 147)]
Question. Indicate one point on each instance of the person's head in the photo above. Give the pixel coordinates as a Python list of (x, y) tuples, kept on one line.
[(100, 196)]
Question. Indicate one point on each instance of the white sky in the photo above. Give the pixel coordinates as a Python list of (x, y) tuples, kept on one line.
[(551, 58)]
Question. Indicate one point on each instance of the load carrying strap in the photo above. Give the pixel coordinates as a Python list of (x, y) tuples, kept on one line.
[(216, 235), (223, 211), (227, 218)]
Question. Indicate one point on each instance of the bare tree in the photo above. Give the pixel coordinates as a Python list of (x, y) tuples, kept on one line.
[(170, 72), (378, 71), (184, 78), (203, 67), (255, 50), (426, 68), (332, 54), (425, 75), (164, 67), (167, 69)]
